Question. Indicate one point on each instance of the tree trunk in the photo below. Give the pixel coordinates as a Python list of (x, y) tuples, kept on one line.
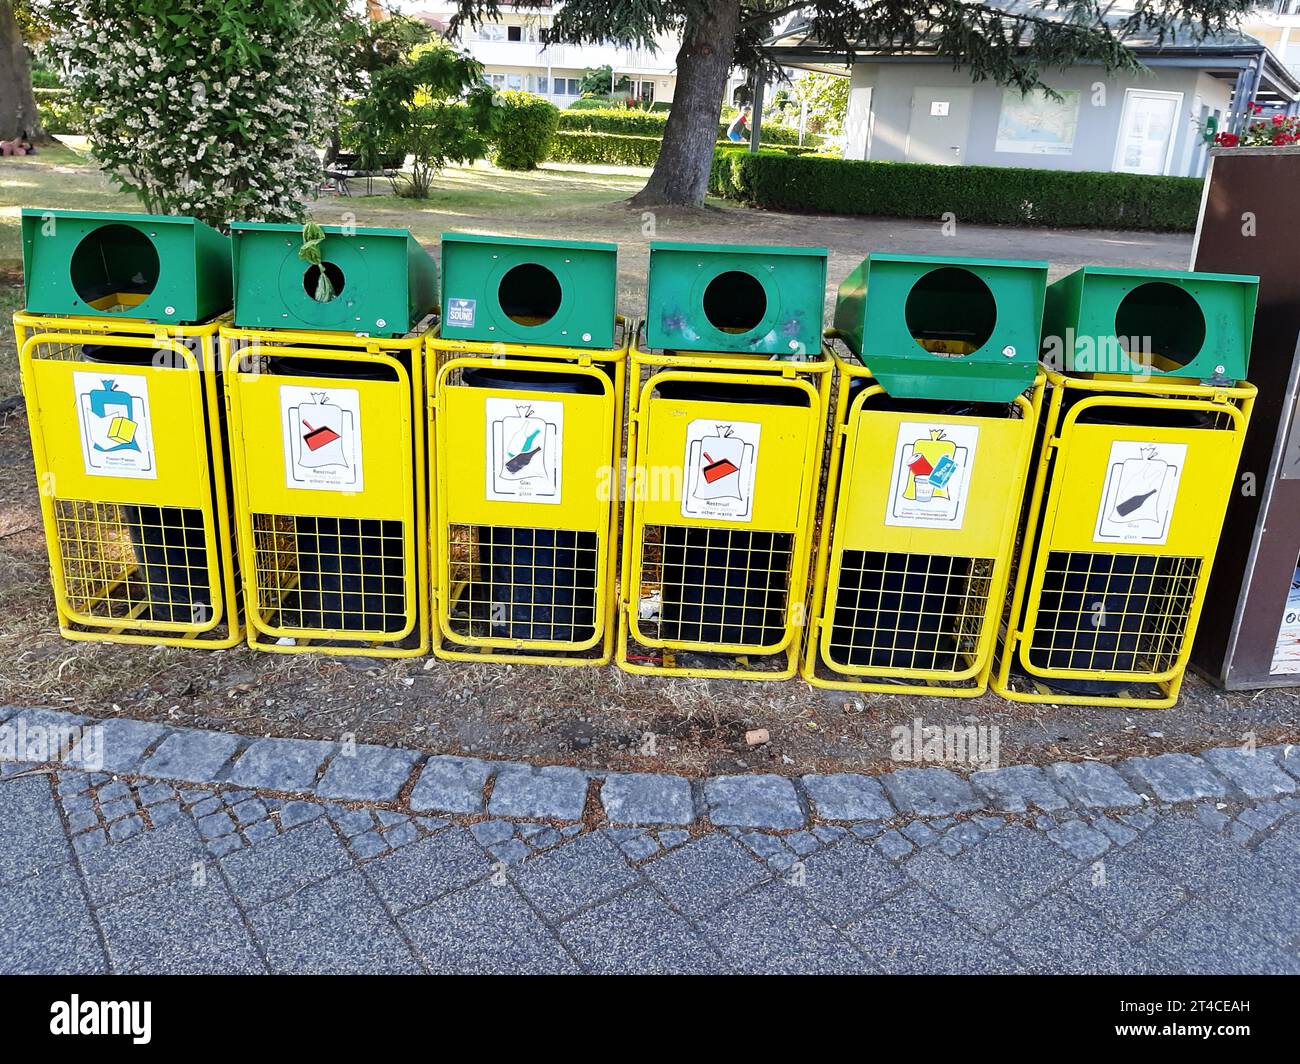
[(681, 174), (19, 119)]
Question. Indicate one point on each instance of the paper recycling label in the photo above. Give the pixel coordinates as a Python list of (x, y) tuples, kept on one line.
[(116, 428)]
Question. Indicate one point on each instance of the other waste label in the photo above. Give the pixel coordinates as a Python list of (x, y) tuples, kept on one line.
[(721, 462), (322, 438)]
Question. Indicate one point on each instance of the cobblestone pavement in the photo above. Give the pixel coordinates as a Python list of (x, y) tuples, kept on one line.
[(200, 851)]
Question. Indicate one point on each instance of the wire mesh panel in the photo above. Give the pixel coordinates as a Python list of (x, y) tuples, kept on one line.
[(909, 612), (331, 573), (1120, 536), (724, 461), (536, 584), (526, 441), (126, 429), (916, 538), (1113, 612), (715, 585), (327, 436)]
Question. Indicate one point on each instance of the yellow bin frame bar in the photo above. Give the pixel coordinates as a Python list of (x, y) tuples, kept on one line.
[(592, 440), (387, 518), (1075, 549), (783, 498), (104, 584), (918, 579)]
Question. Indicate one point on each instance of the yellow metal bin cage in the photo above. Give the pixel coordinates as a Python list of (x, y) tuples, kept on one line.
[(125, 420), (1129, 495), (328, 449), (526, 444), (911, 577), (724, 458)]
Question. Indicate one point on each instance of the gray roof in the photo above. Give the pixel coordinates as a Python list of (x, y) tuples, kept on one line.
[(1184, 38)]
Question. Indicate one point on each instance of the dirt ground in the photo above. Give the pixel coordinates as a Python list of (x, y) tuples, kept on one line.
[(588, 717)]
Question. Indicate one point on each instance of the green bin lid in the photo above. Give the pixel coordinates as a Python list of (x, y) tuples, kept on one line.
[(155, 267), (941, 327)]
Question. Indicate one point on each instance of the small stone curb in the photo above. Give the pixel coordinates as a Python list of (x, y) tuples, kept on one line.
[(506, 790)]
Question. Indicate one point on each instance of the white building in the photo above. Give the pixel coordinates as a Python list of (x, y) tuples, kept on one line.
[(1276, 23), (515, 55), (917, 107)]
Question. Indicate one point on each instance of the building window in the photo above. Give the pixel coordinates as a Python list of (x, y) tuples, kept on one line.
[(644, 91), (514, 33), (514, 81), (497, 81), (542, 84), (491, 31), (567, 87)]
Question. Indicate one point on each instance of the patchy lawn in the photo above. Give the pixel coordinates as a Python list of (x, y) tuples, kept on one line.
[(583, 716)]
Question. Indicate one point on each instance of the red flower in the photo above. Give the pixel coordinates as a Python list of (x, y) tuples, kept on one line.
[(1259, 108), (1226, 140), (1277, 120)]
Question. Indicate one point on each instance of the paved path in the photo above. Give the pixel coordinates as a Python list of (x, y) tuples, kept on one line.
[(134, 873)]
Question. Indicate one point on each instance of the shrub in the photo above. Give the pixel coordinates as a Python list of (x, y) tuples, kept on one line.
[(651, 123), (411, 108), (591, 103), (613, 149), (523, 128), (984, 194), (212, 108), (59, 112)]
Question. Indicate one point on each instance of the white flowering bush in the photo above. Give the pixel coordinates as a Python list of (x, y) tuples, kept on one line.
[(211, 108)]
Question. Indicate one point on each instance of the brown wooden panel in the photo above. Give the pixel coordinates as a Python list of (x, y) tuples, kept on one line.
[(1249, 225)]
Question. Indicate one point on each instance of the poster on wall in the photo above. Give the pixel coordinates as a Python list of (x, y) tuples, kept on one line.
[(720, 464), (322, 438), (1035, 124), (525, 441), (116, 429), (1141, 488), (1286, 651), (931, 475)]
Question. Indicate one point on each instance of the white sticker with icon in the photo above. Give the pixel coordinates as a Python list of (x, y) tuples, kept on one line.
[(116, 428), (1141, 488), (931, 475), (322, 438), (720, 464), (525, 443)]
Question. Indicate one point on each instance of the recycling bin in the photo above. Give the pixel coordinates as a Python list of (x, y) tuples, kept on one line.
[(364, 281), (1133, 480), (529, 293), (1157, 323), (126, 428), (327, 443), (725, 449), (167, 269), (933, 327), (526, 444), (754, 300), (928, 472)]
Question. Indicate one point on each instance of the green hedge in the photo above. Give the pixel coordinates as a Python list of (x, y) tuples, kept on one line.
[(651, 123), (988, 194), (522, 130), (615, 150), (58, 112)]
